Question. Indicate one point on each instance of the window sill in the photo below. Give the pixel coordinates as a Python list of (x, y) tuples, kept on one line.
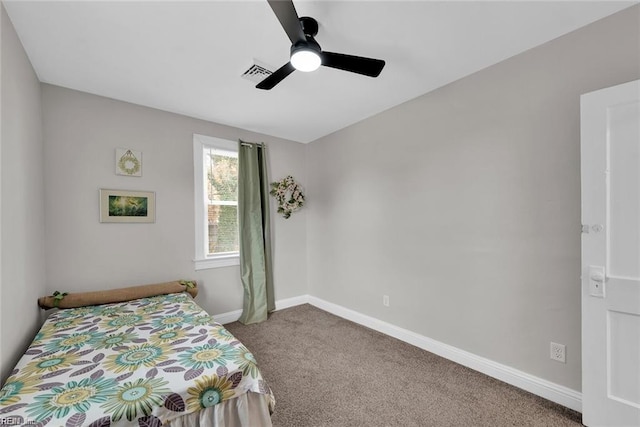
[(217, 262)]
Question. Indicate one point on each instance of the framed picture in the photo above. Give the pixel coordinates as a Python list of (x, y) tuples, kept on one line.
[(127, 206), (128, 162)]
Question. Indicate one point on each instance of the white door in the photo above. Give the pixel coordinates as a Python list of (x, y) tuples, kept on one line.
[(610, 161)]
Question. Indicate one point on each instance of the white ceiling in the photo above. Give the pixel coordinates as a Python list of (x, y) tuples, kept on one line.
[(187, 57)]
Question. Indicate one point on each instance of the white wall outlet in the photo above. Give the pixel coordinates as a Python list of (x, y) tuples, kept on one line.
[(558, 352), (385, 300)]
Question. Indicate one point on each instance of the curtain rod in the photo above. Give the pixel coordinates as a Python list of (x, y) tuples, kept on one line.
[(252, 144)]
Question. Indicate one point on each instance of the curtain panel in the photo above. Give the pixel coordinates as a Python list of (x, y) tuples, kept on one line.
[(255, 236)]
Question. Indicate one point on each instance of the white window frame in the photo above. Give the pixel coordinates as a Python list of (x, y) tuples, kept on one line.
[(202, 260)]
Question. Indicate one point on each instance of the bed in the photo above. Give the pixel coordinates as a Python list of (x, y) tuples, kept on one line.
[(152, 361)]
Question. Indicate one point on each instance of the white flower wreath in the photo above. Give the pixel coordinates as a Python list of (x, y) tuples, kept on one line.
[(288, 195), (129, 163)]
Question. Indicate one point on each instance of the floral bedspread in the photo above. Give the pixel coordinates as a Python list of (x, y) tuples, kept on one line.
[(139, 363)]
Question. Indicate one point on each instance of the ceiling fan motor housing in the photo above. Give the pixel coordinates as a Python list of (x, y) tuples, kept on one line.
[(309, 44), (306, 54)]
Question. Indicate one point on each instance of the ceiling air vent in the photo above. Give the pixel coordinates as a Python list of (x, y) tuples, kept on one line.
[(257, 72)]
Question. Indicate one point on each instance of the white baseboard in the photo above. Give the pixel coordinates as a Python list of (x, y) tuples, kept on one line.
[(291, 302), (228, 317), (538, 386), (233, 316)]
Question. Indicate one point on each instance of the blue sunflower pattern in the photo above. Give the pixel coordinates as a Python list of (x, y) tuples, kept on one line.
[(127, 364)]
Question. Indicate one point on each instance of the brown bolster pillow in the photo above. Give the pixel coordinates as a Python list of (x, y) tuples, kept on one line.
[(82, 299)]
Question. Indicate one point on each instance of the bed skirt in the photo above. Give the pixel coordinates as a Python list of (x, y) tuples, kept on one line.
[(247, 410)]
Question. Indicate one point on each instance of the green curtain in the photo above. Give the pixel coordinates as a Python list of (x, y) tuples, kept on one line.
[(255, 239)]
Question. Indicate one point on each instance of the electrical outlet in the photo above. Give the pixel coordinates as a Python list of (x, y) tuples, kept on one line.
[(385, 300), (558, 352)]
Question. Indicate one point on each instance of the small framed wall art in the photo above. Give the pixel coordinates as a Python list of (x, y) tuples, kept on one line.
[(128, 162), (127, 206)]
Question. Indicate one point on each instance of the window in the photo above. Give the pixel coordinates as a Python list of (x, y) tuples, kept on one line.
[(216, 198)]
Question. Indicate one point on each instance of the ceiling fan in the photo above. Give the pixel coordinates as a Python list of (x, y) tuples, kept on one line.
[(306, 54)]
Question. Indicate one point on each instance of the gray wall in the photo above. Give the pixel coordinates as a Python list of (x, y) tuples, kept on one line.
[(82, 132), (22, 212), (463, 205)]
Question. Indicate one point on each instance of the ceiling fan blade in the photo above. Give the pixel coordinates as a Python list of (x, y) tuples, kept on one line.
[(356, 64), (276, 77), (288, 17)]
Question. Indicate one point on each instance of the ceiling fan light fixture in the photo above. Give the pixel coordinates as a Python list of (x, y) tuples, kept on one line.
[(305, 58)]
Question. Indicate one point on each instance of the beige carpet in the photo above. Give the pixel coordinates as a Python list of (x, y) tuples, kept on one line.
[(327, 371)]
